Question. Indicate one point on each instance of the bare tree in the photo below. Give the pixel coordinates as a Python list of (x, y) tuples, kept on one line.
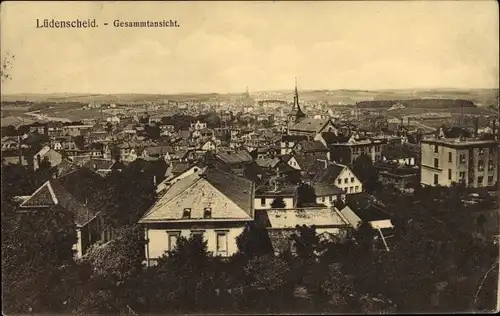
[(7, 60)]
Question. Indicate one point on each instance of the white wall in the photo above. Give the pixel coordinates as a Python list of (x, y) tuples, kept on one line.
[(158, 240), (268, 200), (347, 174), (327, 200)]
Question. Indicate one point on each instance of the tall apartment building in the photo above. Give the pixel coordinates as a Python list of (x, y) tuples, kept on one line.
[(462, 160)]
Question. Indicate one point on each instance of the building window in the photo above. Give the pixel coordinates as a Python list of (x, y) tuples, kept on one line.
[(262, 201), (222, 244), (172, 240), (345, 180), (490, 179), (197, 233), (323, 199), (490, 165), (207, 212), (462, 175), (351, 189), (480, 165), (436, 179), (339, 181), (449, 174), (186, 213), (449, 157), (352, 179), (356, 188), (345, 190), (462, 158), (436, 162), (436, 148), (481, 151), (479, 181)]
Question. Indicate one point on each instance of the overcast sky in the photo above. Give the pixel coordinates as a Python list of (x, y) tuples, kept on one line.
[(224, 47)]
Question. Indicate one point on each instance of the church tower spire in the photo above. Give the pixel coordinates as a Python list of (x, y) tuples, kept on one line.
[(296, 113)]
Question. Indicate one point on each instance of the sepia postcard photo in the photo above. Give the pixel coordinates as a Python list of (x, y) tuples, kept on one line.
[(250, 157)]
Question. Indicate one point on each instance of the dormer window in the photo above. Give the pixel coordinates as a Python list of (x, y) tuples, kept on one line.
[(207, 212), (186, 214)]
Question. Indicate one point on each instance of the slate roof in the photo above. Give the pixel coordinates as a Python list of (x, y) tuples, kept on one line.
[(309, 125), (361, 206), (326, 189), (455, 132), (96, 164), (75, 192), (65, 167), (229, 196), (329, 174), (396, 152), (180, 167), (331, 138), (293, 138), (312, 146), (237, 157), (267, 162)]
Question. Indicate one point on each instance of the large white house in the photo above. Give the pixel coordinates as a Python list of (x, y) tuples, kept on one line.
[(214, 203)]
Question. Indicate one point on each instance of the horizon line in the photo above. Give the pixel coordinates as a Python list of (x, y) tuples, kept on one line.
[(243, 91)]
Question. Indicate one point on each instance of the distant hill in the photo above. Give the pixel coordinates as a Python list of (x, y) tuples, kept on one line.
[(418, 103), (480, 97)]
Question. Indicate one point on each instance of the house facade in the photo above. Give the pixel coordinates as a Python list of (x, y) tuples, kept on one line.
[(469, 161), (214, 204)]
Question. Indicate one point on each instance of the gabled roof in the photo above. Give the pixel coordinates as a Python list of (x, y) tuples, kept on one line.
[(230, 197), (74, 192), (329, 174)]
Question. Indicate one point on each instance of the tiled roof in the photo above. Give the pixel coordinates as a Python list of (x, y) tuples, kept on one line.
[(230, 198)]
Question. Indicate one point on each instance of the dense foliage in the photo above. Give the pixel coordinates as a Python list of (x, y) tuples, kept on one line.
[(434, 263)]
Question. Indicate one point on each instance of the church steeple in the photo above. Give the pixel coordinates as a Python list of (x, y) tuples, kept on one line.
[(296, 113)]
